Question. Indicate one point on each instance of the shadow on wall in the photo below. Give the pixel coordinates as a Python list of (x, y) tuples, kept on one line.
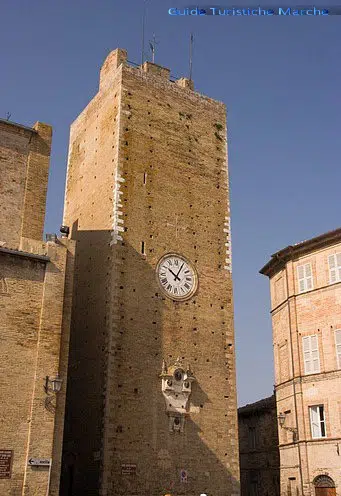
[(116, 296)]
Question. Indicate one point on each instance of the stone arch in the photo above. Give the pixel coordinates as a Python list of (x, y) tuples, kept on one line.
[(324, 481), (324, 486)]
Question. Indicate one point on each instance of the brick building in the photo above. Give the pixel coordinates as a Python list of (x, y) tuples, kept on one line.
[(305, 285), (258, 449), (35, 308), (151, 394)]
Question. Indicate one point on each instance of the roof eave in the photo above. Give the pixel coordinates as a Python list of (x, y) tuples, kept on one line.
[(280, 258), (24, 254), (21, 126)]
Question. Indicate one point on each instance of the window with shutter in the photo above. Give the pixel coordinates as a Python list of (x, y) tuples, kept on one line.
[(315, 424), (334, 262), (305, 277), (338, 261), (317, 421), (306, 355), (311, 354), (322, 421), (315, 354), (338, 347)]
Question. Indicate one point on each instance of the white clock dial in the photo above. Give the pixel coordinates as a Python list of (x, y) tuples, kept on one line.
[(176, 276)]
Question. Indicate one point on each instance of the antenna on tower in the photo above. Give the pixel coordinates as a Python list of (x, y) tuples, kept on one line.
[(152, 45), (191, 56), (143, 30)]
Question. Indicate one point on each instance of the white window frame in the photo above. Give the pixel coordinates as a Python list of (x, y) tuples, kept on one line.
[(337, 335), (334, 265), (317, 417), (311, 354), (305, 277)]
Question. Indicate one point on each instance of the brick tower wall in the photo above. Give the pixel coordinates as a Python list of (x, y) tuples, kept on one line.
[(162, 161)]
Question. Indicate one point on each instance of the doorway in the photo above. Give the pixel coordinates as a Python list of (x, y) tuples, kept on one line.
[(324, 486)]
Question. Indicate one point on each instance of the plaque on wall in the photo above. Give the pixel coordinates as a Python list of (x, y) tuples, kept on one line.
[(183, 476), (128, 469), (6, 457)]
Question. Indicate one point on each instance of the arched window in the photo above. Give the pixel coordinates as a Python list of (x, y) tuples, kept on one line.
[(324, 486), (324, 481)]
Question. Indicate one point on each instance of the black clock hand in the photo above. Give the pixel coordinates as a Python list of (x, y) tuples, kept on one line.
[(175, 275), (179, 270)]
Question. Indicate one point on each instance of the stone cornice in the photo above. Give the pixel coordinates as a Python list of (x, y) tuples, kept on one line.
[(304, 379)]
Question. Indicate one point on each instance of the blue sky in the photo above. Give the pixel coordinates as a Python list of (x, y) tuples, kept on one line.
[(281, 80)]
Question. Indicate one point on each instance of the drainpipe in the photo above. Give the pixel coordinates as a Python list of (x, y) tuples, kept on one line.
[(300, 368), (49, 479), (293, 381)]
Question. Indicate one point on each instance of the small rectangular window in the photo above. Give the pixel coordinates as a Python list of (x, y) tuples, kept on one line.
[(305, 277), (338, 347), (144, 178), (142, 248), (317, 421), (311, 355), (334, 262), (252, 438)]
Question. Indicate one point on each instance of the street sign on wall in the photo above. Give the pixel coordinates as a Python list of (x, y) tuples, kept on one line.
[(39, 462)]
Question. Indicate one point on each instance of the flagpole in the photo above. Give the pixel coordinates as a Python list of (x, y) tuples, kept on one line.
[(143, 30), (190, 56)]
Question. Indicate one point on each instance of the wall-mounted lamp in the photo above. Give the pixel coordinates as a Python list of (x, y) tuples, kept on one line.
[(53, 384), (281, 419), (65, 230)]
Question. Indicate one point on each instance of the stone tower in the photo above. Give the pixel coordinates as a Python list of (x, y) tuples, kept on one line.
[(152, 390), (36, 280)]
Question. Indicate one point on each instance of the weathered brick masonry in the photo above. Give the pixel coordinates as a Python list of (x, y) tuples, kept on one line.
[(24, 162), (308, 373), (258, 447), (35, 304), (147, 175)]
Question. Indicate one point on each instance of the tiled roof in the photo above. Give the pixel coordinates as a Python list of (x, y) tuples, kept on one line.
[(259, 406)]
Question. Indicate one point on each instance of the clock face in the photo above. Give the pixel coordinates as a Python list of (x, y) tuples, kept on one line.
[(176, 276)]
